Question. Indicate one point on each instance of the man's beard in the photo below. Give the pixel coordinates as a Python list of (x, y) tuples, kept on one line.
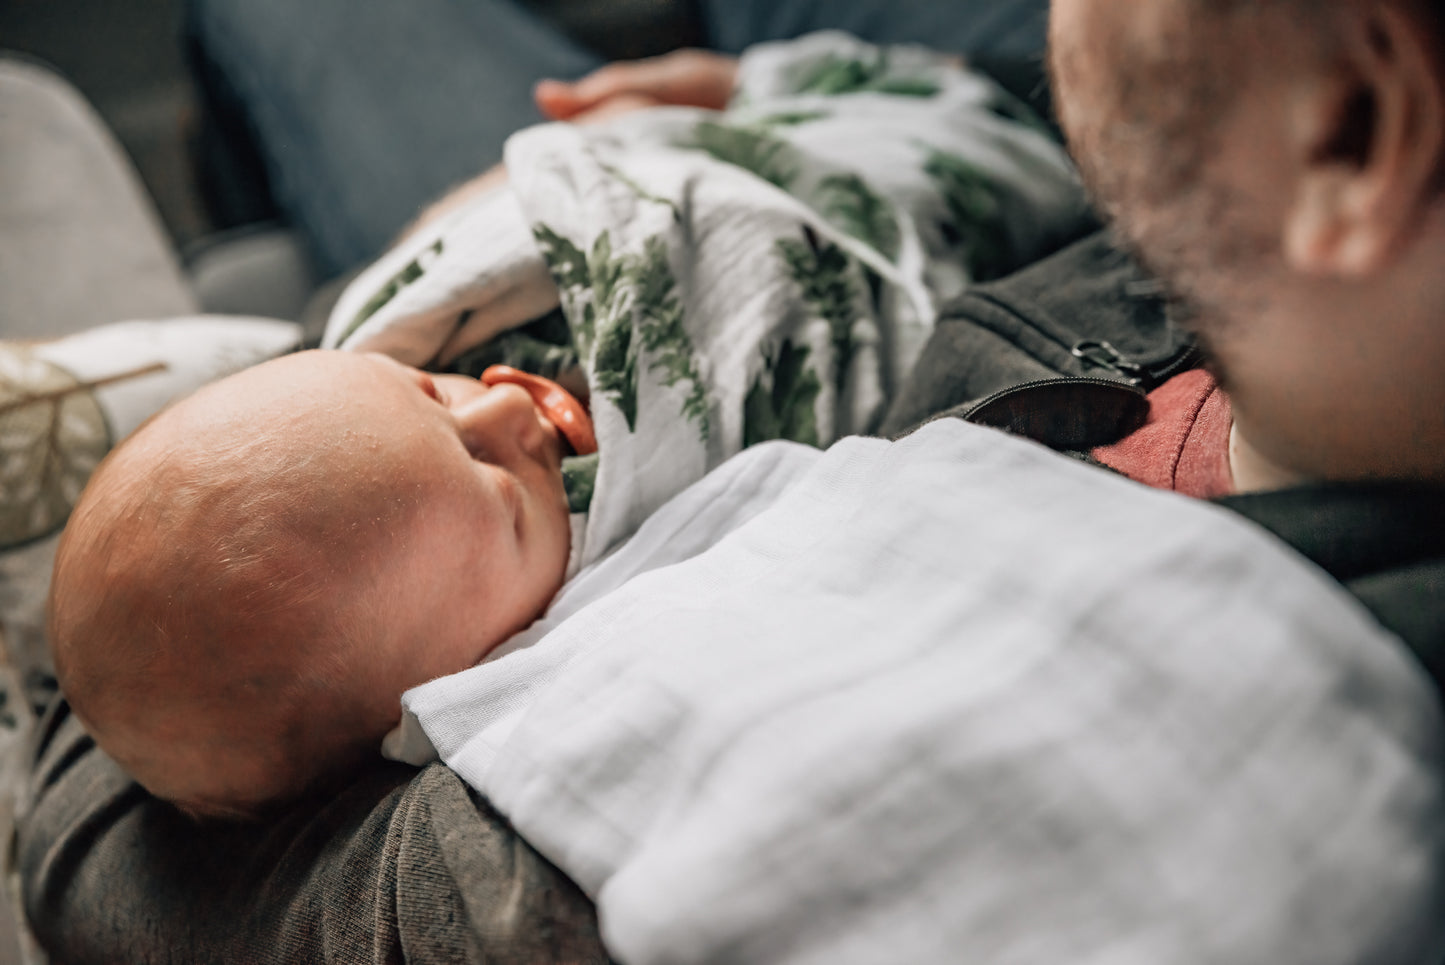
[(1210, 263), (1148, 155), (1188, 230)]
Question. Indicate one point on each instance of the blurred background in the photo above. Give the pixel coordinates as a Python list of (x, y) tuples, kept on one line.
[(197, 158), (127, 57)]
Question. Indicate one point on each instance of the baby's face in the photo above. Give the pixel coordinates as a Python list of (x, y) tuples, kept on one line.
[(487, 549), (424, 516)]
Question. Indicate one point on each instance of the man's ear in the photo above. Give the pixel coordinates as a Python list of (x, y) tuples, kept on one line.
[(1371, 139)]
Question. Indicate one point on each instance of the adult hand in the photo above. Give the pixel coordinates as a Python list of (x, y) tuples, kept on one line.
[(691, 78), (612, 107)]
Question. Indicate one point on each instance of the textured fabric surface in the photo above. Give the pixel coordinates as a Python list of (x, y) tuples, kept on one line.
[(195, 894), (1184, 444), (399, 867), (80, 243), (1384, 541), (1012, 27), (1086, 311), (962, 672)]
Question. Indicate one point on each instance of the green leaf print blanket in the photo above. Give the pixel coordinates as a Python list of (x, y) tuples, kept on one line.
[(770, 271)]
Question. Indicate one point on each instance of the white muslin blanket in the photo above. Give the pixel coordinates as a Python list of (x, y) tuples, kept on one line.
[(769, 271), (959, 699)]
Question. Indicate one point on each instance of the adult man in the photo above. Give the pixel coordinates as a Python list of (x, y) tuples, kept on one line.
[(1285, 181), (1296, 213)]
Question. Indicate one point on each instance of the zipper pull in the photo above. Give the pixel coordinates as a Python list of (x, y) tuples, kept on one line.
[(1100, 353)]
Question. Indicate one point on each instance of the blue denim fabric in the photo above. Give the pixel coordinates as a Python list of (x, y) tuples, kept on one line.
[(1012, 28), (365, 110)]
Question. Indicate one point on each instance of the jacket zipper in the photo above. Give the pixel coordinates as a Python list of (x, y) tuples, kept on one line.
[(1101, 354), (988, 400)]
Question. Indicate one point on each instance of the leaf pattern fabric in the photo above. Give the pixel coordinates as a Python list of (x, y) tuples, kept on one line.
[(782, 402), (848, 202), (768, 271), (409, 273), (52, 435), (974, 219), (824, 276), (835, 75), (753, 149)]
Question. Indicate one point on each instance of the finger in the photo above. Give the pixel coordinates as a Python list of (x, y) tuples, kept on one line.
[(689, 77), (651, 76), (613, 107), (563, 100), (556, 100)]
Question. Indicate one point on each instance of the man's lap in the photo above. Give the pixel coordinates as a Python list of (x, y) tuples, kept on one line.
[(398, 866), (366, 111), (1003, 27)]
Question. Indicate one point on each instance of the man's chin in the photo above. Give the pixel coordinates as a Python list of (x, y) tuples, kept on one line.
[(1185, 308)]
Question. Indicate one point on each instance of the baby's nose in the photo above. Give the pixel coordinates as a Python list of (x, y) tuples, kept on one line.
[(554, 403), (499, 421)]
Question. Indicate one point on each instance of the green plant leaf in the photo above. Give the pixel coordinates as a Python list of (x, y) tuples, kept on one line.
[(579, 480), (626, 317), (660, 326), (782, 401), (835, 76), (847, 201), (792, 118), (53, 433), (409, 273), (750, 148), (975, 223), (823, 272)]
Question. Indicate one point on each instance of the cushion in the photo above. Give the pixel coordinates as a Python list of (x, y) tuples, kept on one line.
[(63, 406)]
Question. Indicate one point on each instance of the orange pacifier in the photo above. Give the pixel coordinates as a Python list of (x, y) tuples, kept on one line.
[(555, 402)]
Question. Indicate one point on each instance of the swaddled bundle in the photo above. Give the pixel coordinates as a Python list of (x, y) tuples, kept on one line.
[(770, 271)]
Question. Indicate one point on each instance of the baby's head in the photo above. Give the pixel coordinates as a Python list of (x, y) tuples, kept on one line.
[(251, 580)]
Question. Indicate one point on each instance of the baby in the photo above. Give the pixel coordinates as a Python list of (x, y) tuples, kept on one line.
[(252, 579)]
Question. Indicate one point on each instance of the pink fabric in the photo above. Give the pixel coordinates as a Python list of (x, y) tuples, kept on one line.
[(1184, 445)]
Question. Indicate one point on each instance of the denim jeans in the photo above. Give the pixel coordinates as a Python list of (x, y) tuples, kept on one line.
[(365, 110)]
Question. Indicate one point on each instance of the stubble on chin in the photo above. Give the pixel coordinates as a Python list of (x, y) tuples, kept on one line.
[(1146, 131), (1212, 264)]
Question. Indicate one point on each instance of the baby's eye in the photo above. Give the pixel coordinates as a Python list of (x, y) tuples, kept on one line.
[(430, 387)]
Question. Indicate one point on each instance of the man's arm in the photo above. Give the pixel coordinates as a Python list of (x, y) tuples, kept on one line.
[(402, 865), (691, 78)]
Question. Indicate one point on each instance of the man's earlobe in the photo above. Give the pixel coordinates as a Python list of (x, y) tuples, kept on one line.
[(1372, 144), (1314, 230)]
